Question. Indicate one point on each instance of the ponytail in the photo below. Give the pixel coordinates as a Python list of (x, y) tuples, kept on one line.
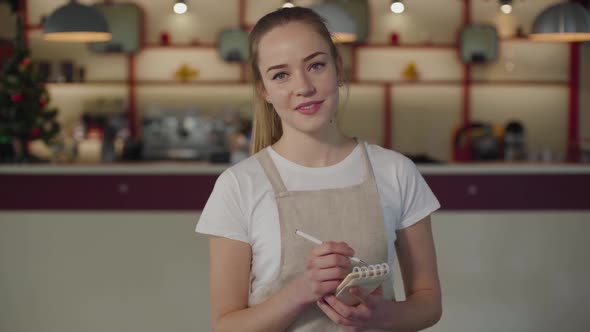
[(266, 127)]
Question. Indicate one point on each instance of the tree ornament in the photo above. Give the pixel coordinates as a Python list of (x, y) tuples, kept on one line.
[(35, 133), (17, 97), (24, 64)]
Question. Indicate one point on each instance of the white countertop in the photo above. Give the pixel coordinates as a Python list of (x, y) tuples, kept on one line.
[(179, 168)]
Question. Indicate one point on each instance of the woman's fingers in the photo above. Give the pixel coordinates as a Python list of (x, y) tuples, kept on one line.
[(333, 314), (330, 254), (328, 261), (348, 315), (327, 248), (323, 288), (325, 281), (334, 273), (341, 308), (327, 266)]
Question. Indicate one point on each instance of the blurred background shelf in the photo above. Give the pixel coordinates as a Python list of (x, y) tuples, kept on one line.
[(445, 92)]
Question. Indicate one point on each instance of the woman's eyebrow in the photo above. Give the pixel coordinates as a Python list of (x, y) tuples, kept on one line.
[(307, 58), (311, 56), (275, 67)]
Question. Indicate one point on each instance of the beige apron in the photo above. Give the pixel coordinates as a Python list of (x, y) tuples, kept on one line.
[(351, 214)]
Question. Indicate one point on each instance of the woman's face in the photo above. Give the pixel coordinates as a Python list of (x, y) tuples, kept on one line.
[(299, 77)]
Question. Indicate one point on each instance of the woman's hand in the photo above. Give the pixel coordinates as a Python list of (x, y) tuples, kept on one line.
[(327, 265), (422, 307), (361, 317)]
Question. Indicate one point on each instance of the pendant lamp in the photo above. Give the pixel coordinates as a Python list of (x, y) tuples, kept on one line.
[(506, 6), (340, 23), (180, 7), (397, 7), (563, 22), (76, 23)]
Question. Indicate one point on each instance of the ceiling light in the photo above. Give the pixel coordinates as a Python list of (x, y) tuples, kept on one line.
[(565, 22), (180, 7), (76, 23), (397, 7), (506, 6), (341, 25), (288, 4)]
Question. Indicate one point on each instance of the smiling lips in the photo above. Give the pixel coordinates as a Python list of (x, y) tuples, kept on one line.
[(309, 107)]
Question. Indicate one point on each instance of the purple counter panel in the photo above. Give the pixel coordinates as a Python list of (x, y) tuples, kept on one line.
[(190, 192), (512, 192)]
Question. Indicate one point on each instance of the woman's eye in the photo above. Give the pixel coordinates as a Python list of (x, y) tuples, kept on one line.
[(279, 76), (317, 65)]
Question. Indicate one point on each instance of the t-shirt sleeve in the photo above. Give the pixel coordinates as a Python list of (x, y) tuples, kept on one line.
[(418, 200), (223, 215)]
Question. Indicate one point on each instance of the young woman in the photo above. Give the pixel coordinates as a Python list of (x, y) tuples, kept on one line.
[(305, 174)]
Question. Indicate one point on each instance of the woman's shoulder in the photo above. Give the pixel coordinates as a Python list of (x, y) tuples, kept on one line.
[(383, 157), (244, 172)]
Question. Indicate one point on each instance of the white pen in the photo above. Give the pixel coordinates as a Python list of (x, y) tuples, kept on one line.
[(317, 241)]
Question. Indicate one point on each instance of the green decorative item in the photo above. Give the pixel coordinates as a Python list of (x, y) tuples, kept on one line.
[(24, 115)]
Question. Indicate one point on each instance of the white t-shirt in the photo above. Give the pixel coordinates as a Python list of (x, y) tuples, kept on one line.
[(242, 205)]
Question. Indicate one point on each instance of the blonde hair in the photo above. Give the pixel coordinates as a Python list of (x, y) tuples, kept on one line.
[(266, 126)]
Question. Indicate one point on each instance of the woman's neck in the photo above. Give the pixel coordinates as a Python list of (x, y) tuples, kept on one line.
[(314, 151)]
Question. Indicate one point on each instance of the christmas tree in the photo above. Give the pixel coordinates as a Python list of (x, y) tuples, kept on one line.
[(24, 112)]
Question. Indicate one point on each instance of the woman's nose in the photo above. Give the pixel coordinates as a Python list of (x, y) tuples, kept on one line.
[(304, 85)]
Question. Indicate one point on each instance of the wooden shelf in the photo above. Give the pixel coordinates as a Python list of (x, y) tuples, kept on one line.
[(513, 38), (195, 82), (154, 82), (33, 27), (526, 39), (368, 82), (408, 82), (87, 83), (408, 46), (374, 45), (516, 38), (518, 82), (180, 46)]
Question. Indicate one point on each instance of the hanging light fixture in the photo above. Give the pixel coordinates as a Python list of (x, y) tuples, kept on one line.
[(506, 6), (565, 22), (76, 23), (180, 7), (340, 23), (397, 7)]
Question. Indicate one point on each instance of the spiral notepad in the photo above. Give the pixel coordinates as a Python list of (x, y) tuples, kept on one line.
[(368, 277)]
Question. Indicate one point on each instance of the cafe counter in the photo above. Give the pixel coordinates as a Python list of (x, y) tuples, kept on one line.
[(171, 186)]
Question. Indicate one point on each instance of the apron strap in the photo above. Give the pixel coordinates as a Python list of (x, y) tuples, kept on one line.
[(271, 173), (368, 175)]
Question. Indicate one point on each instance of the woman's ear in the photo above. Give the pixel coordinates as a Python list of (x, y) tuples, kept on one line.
[(262, 91), (340, 69)]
